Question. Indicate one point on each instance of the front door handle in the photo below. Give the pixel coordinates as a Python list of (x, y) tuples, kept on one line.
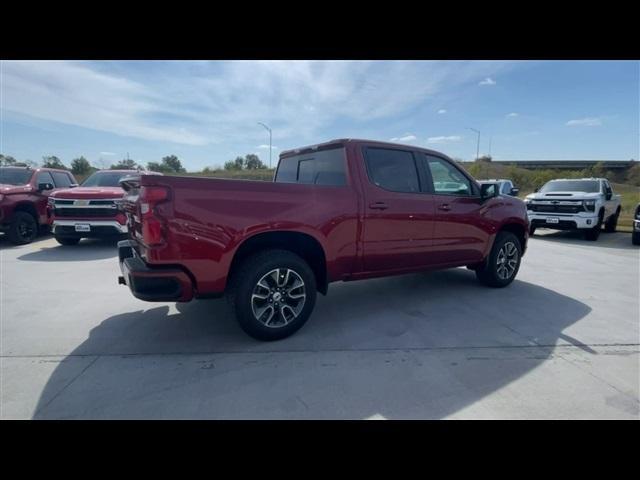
[(445, 207), (378, 206)]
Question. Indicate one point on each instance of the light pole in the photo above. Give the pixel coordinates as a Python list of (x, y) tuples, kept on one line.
[(478, 147), (270, 148)]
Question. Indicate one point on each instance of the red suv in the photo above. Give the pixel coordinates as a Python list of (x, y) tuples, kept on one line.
[(23, 199)]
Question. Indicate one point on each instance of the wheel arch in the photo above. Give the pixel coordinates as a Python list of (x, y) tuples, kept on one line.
[(302, 244)]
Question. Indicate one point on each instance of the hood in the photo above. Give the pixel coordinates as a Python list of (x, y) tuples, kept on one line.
[(563, 196), (9, 189), (81, 193)]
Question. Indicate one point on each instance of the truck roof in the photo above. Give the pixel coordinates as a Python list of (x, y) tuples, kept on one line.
[(337, 141), (35, 169)]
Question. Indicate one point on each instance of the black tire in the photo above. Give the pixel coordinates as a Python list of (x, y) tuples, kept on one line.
[(491, 273), (635, 238), (612, 222), (594, 233), (532, 230), (67, 240), (244, 283), (23, 228)]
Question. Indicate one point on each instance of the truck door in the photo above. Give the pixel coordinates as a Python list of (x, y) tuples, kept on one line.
[(398, 213), (458, 236)]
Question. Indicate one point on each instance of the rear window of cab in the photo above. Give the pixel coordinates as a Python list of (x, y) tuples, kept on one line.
[(322, 167)]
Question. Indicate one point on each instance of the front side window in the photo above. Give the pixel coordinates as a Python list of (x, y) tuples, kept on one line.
[(62, 179), (447, 179), (393, 170), (323, 167), (44, 177)]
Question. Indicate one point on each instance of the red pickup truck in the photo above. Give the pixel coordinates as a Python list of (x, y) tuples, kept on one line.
[(90, 210), (23, 199), (342, 210)]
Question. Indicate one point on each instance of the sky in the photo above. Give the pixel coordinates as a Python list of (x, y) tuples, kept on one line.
[(207, 112)]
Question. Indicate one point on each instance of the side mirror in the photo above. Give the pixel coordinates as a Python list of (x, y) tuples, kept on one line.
[(515, 191), (609, 195), (536, 190), (45, 186), (488, 190)]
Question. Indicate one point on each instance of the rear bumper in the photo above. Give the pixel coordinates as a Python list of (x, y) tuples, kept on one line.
[(157, 284), (565, 222), (97, 228)]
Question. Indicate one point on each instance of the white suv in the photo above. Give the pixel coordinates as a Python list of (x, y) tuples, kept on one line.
[(574, 204)]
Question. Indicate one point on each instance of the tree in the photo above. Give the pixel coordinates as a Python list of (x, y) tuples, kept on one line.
[(80, 166), (173, 164), (53, 162), (253, 162), (237, 164), (155, 167), (125, 164), (7, 160)]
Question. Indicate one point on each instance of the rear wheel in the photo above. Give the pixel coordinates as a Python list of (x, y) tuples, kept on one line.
[(67, 240), (23, 229), (612, 222), (594, 233), (273, 294), (502, 265)]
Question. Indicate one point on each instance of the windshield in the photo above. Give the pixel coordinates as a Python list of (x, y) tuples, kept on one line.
[(15, 176), (588, 186), (105, 179)]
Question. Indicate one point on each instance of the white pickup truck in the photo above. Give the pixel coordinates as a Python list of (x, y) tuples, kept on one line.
[(574, 204)]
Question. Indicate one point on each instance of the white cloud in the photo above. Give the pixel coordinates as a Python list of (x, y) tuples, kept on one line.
[(441, 111), (406, 138), (266, 147), (107, 154), (199, 103), (585, 122), (512, 115), (451, 138), (487, 81)]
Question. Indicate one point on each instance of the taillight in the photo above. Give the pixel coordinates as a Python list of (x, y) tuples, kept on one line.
[(152, 226)]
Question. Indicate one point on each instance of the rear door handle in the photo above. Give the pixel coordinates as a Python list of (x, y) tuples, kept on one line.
[(378, 206), (445, 207)]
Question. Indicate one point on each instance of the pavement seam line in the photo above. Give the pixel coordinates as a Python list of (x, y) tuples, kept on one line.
[(65, 387), (337, 350)]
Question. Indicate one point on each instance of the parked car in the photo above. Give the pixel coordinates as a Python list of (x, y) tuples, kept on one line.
[(635, 236), (574, 204), (343, 210), (90, 210), (505, 187), (23, 199)]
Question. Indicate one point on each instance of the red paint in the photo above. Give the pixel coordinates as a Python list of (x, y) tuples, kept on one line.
[(27, 197), (204, 221)]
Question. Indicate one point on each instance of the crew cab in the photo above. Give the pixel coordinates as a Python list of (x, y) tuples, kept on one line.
[(90, 210), (574, 204), (23, 199), (505, 186), (342, 210)]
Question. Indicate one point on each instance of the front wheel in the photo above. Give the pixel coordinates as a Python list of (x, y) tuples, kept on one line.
[(612, 222), (594, 233), (501, 266), (23, 228), (532, 230), (273, 294), (635, 238)]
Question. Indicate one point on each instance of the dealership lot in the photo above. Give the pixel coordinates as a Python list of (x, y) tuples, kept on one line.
[(561, 342)]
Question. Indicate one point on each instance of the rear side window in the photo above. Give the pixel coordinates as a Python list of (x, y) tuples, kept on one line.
[(393, 170), (62, 179), (324, 167)]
